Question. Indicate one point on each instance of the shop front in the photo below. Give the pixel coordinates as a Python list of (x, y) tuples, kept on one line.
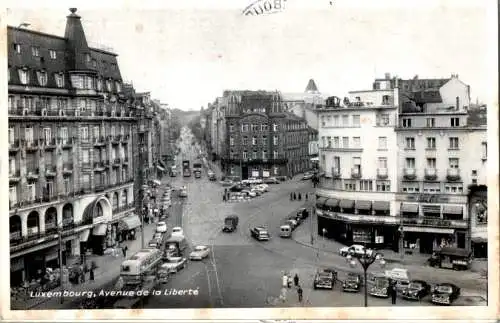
[(128, 226)]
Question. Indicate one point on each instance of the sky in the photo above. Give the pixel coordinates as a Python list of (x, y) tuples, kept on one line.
[(187, 52)]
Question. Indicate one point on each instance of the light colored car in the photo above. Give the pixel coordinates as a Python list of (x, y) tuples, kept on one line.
[(174, 264), (355, 250), (161, 227), (249, 193), (177, 231), (307, 175), (199, 253), (264, 187)]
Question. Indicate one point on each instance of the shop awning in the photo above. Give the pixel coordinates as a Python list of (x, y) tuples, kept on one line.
[(363, 205), (320, 201), (129, 223), (100, 229), (453, 209), (381, 206), (84, 235), (410, 208), (346, 204), (429, 230), (477, 239), (332, 203), (160, 168)]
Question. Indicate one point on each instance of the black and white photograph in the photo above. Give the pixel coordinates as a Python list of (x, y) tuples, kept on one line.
[(282, 159)]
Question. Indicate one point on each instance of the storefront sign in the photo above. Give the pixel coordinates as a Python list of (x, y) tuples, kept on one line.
[(428, 198), (436, 223), (360, 218)]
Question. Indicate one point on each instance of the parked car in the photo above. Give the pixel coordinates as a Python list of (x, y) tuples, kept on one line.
[(292, 223), (379, 285), (257, 192), (230, 223), (307, 176), (271, 180), (236, 188), (226, 182), (445, 293), (355, 250), (177, 231), (263, 187), (323, 279), (174, 264), (211, 175), (183, 192), (161, 227), (416, 290), (352, 283), (199, 253), (302, 213), (281, 178), (260, 233)]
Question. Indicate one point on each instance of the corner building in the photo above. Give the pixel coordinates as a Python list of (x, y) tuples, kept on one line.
[(358, 164), (70, 147)]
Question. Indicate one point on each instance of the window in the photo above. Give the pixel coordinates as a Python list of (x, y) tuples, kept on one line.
[(430, 122), (42, 77), (88, 58), (231, 128), (11, 136), (355, 120), (410, 162), (453, 188), (245, 141), (329, 141), (383, 186), (474, 172), (113, 131), (96, 132), (382, 162), (31, 192), (254, 140), (411, 187), (357, 142), (99, 85), (336, 142), (13, 194), (63, 133), (356, 161), (336, 121), (231, 141), (410, 143), (89, 82), (124, 197), (385, 100), (118, 87), (84, 136), (122, 130), (94, 63), (108, 85), (345, 142), (453, 163), (455, 122), (23, 76), (85, 156), (52, 54), (336, 163), (254, 154), (86, 181), (264, 154), (28, 134), (35, 51), (382, 143), (431, 143), (275, 140), (275, 127), (431, 163), (275, 154), (17, 48), (264, 140), (49, 188), (349, 185), (406, 123), (12, 165), (453, 143), (431, 188), (59, 79), (365, 185), (383, 120), (345, 120), (323, 121), (484, 150), (47, 134)]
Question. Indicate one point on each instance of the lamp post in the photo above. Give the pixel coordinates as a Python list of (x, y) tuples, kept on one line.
[(61, 279), (366, 260)]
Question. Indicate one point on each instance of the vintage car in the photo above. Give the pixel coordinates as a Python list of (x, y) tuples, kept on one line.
[(445, 293), (199, 253), (260, 233), (302, 213), (416, 290), (451, 258), (174, 264), (271, 180), (354, 250), (379, 285), (324, 279), (352, 283), (307, 175)]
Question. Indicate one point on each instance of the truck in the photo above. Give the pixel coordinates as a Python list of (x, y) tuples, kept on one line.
[(186, 170), (197, 167), (138, 277), (230, 223), (175, 247)]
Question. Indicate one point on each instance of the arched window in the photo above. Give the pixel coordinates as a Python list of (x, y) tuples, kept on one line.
[(98, 211), (125, 197), (115, 201)]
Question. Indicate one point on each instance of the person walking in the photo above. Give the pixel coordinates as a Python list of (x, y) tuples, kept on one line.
[(224, 198), (296, 280), (124, 250), (394, 293), (299, 292)]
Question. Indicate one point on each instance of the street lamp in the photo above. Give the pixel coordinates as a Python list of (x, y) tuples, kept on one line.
[(366, 260)]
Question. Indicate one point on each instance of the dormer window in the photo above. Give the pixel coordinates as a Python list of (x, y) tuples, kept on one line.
[(77, 81), (42, 77), (99, 85), (17, 48), (108, 85), (53, 54), (118, 87), (87, 58), (35, 51), (23, 75), (94, 63), (59, 79)]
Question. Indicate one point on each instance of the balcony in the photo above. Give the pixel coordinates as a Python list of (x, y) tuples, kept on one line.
[(14, 146), (50, 144), (125, 161), (355, 172), (50, 171), (49, 197), (100, 187), (336, 172), (51, 227), (409, 173), (430, 174), (67, 168), (382, 173), (453, 174), (435, 222), (31, 145), (99, 166), (32, 174), (14, 176), (99, 141), (116, 162)]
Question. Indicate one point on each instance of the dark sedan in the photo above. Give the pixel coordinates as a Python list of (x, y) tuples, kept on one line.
[(445, 294), (352, 283), (416, 290)]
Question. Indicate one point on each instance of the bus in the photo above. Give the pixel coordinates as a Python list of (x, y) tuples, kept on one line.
[(142, 263), (197, 166), (186, 171)]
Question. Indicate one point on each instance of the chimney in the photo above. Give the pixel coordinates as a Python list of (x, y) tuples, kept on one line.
[(387, 76)]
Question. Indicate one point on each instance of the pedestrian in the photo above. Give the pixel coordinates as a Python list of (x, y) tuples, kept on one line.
[(307, 196), (296, 280), (300, 197), (124, 250), (224, 198), (299, 292), (393, 292)]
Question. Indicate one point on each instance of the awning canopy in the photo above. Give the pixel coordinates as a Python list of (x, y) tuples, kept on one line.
[(410, 208), (320, 201), (84, 235), (129, 223), (381, 205), (160, 168), (332, 203), (453, 209), (346, 204), (363, 205), (429, 230), (100, 229)]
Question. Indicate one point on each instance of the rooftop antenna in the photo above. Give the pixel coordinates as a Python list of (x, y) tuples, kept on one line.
[(24, 25)]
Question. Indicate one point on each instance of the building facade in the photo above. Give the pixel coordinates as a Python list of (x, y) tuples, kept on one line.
[(297, 136), (358, 163), (70, 148), (438, 175)]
